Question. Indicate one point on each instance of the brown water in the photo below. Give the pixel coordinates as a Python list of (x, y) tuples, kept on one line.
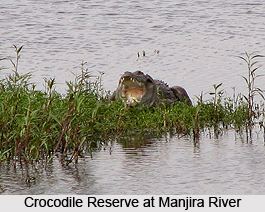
[(198, 43)]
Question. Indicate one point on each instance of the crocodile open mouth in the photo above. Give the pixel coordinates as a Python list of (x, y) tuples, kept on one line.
[(132, 90)]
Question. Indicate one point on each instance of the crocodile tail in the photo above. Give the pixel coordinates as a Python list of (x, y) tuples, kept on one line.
[(181, 94)]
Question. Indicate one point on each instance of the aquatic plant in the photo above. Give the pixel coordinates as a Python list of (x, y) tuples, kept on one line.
[(252, 90), (38, 124)]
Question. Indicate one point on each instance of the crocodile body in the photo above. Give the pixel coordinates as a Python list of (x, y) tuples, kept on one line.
[(138, 88)]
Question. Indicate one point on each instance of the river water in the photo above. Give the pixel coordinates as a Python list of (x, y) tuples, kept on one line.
[(169, 165), (198, 43)]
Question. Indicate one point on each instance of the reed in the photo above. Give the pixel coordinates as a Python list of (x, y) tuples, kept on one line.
[(253, 66)]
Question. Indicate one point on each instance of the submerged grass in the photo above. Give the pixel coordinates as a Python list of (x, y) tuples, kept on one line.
[(36, 124)]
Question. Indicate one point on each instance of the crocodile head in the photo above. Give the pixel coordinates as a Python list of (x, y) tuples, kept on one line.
[(137, 88)]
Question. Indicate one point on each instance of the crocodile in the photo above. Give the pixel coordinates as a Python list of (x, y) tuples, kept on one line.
[(137, 88)]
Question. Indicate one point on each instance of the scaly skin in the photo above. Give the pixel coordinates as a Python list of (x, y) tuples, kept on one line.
[(138, 88)]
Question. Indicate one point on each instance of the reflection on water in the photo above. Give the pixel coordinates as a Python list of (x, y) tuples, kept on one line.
[(165, 166)]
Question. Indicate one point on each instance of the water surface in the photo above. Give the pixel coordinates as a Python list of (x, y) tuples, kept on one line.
[(169, 165), (198, 40), (198, 43)]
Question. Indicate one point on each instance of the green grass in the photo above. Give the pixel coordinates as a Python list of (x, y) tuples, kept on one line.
[(36, 124)]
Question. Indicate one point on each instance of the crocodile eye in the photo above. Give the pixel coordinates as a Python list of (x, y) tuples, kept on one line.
[(139, 72)]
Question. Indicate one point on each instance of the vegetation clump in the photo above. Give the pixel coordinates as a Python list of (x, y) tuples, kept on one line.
[(36, 124)]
